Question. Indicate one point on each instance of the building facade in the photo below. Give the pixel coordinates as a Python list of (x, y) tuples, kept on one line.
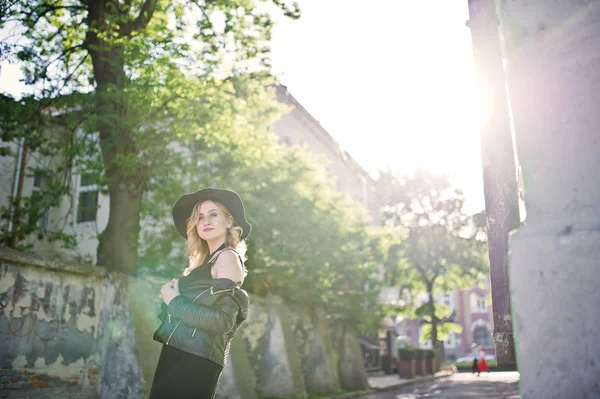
[(470, 309), (473, 313), (299, 127)]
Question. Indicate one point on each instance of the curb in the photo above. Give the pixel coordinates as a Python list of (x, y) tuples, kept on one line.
[(415, 381), (349, 395)]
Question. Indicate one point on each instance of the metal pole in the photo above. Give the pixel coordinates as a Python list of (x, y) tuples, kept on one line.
[(12, 242), (499, 171), (16, 180)]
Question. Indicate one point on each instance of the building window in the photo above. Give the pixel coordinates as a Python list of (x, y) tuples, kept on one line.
[(451, 341), (481, 336), (87, 200), (481, 306), (478, 303), (40, 182), (449, 301), (86, 181)]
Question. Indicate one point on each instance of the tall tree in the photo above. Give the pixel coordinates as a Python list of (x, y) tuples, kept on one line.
[(309, 244), (151, 68), (440, 246)]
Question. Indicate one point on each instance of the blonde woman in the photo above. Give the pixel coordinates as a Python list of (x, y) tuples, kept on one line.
[(205, 306)]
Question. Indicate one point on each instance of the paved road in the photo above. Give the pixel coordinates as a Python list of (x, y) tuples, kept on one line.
[(501, 385)]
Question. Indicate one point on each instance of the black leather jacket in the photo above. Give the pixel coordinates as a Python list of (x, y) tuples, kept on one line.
[(203, 319)]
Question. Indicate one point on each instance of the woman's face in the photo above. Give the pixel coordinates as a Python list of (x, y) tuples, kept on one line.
[(212, 223)]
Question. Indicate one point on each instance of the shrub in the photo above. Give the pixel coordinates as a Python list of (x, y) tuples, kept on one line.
[(406, 353), (420, 354)]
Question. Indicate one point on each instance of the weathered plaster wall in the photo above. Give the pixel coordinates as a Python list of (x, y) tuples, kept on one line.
[(70, 331), (351, 367), (280, 351), (314, 343), (64, 331)]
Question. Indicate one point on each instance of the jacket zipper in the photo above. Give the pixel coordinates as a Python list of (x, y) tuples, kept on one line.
[(167, 343), (212, 292), (173, 332)]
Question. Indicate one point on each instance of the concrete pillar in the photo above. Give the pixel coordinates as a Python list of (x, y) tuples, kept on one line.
[(553, 72)]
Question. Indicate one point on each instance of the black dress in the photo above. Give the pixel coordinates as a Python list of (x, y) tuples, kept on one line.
[(181, 374)]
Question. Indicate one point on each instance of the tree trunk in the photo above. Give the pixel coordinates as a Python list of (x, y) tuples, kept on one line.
[(118, 244), (441, 354), (434, 321), (341, 347), (117, 250), (125, 172)]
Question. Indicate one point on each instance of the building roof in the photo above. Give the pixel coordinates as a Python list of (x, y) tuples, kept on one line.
[(284, 96)]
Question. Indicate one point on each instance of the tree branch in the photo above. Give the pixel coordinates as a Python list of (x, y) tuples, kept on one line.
[(70, 75), (422, 273), (145, 15), (66, 52), (48, 9), (127, 4)]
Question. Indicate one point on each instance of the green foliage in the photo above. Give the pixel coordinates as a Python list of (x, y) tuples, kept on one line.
[(309, 243), (164, 97), (467, 365), (439, 246), (444, 329), (156, 72), (429, 354), (420, 354), (407, 353)]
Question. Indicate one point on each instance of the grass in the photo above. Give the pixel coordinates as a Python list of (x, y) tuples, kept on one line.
[(467, 365)]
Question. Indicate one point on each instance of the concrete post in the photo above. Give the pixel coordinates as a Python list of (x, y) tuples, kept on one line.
[(553, 73)]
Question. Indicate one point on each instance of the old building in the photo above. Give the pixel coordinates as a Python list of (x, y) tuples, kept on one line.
[(470, 309), (474, 313), (299, 127)]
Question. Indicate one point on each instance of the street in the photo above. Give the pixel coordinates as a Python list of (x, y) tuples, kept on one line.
[(504, 385)]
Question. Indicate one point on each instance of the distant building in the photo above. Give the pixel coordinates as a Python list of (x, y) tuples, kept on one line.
[(469, 309), (475, 316), (300, 127)]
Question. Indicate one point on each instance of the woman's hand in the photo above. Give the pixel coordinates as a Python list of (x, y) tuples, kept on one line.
[(170, 290)]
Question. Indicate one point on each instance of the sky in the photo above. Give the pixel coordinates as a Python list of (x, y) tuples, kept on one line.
[(391, 80)]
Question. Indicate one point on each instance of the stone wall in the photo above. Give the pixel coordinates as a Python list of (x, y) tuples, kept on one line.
[(280, 351), (70, 331), (64, 331)]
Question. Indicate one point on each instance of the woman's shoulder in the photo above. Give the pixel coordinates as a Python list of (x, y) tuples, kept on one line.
[(229, 256), (229, 265), (228, 253)]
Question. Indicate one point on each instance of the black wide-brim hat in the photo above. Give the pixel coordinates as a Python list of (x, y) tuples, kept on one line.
[(182, 210)]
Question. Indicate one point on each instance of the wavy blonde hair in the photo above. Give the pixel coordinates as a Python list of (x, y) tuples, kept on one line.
[(197, 248)]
